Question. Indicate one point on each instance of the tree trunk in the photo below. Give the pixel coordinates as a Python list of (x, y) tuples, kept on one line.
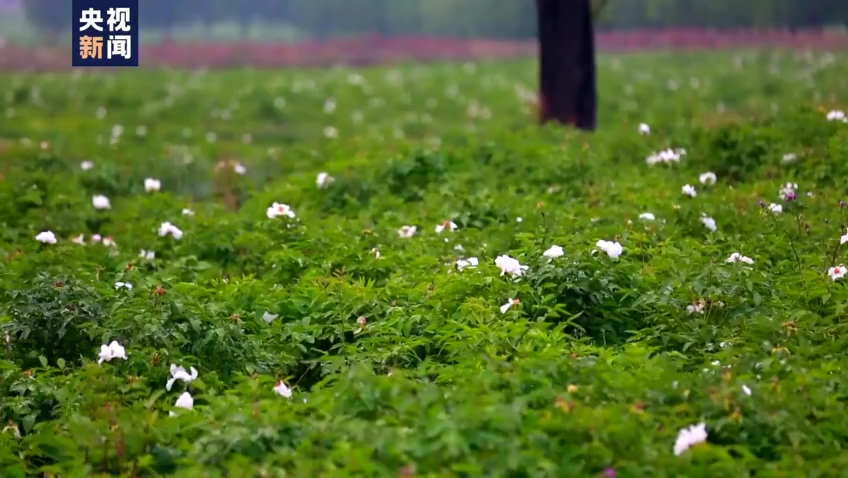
[(566, 63)]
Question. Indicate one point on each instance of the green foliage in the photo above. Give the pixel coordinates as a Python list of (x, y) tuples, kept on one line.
[(400, 363)]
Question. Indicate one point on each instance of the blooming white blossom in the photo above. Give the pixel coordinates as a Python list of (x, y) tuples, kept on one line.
[(470, 263), (647, 216), (149, 255), (613, 249), (188, 212), (167, 228), (644, 129), (737, 257), (746, 390), (112, 351), (843, 239), (109, 242), (268, 317), (277, 209), (239, 168), (697, 307), (123, 285), (689, 437), (152, 185), (184, 401), (789, 158), (376, 253), (775, 208), (689, 190), (46, 237), (101, 202), (708, 178), (96, 238), (282, 389), (331, 132), (836, 273), (666, 156), (787, 191), (509, 304), (79, 239), (837, 115), (509, 265), (323, 180), (447, 225), (179, 373), (407, 231), (86, 165), (708, 222), (554, 252)]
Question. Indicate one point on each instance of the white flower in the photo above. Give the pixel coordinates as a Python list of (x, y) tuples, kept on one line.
[(112, 351), (167, 228), (666, 156), (179, 373), (331, 132), (647, 216), (746, 390), (46, 237), (278, 209), (708, 178), (697, 307), (101, 202), (689, 190), (407, 231), (449, 225), (188, 212), (470, 263), (737, 257), (282, 390), (613, 249), (96, 238), (644, 129), (109, 242), (837, 115), (775, 208), (185, 401), (843, 239), (268, 317), (509, 304), (79, 239), (151, 185), (123, 285), (509, 265), (787, 191), (323, 180), (376, 253), (554, 252), (86, 165), (789, 158), (519, 219), (837, 272), (239, 168), (708, 222), (689, 437), (149, 255)]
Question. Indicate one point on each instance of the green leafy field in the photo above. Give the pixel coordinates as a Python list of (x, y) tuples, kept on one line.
[(400, 363)]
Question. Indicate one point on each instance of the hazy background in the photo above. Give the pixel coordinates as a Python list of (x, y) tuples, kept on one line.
[(40, 21)]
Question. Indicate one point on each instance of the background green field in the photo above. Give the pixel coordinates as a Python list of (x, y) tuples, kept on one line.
[(599, 365)]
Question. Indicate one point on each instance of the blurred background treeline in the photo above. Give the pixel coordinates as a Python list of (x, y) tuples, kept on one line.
[(305, 19)]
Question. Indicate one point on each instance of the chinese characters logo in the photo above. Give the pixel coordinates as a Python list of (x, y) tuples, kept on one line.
[(105, 33)]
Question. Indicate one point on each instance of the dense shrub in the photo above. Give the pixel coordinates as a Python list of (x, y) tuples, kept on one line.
[(402, 358)]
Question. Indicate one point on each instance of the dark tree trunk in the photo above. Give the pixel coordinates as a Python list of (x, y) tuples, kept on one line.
[(567, 63)]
